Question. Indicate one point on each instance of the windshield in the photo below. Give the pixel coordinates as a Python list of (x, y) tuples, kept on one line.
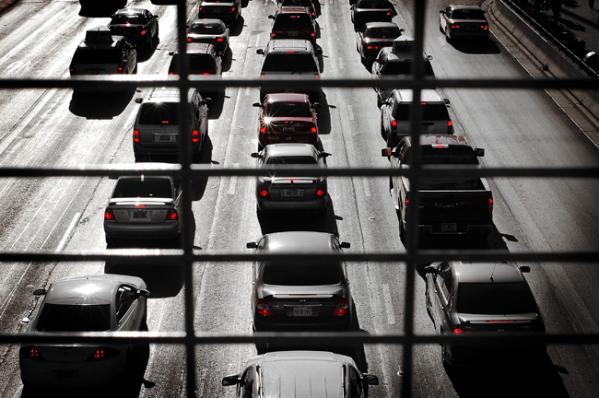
[(453, 184), (162, 113), (288, 109), (207, 29), (300, 3), (453, 154), (148, 188), (122, 19), (383, 33), (286, 22), (468, 14), (290, 62), (291, 160), (373, 4), (74, 318), (495, 298), (97, 56), (404, 68), (199, 64), (301, 274)]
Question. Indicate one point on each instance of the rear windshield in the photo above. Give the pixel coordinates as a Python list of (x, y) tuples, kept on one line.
[(454, 183), (198, 64), (148, 188), (207, 29), (291, 63), (286, 22), (468, 14), (289, 109), (437, 111), (291, 160), (495, 298), (97, 56), (373, 4), (165, 113), (301, 274), (404, 68), (453, 154), (299, 3), (383, 33), (74, 318), (123, 19)]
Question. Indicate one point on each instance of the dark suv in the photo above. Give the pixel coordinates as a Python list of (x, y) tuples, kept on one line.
[(294, 23), (203, 60)]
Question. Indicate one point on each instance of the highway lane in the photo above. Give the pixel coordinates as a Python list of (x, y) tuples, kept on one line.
[(225, 214)]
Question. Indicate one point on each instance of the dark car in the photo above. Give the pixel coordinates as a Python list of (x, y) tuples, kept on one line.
[(312, 5), (107, 5), (203, 60), (101, 53), (294, 23), (374, 36), (363, 11), (212, 31), (291, 193), (138, 25), (226, 10), (143, 208), (464, 298), (287, 117), (292, 295), (462, 21), (301, 374)]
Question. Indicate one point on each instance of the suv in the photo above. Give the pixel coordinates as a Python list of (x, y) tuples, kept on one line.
[(395, 115), (101, 53), (301, 374), (293, 23), (225, 10), (291, 295), (203, 60), (156, 128), (138, 25), (289, 57), (463, 298)]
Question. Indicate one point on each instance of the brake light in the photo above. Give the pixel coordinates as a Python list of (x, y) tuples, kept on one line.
[(312, 14), (313, 130), (31, 352), (172, 215), (101, 353), (407, 202), (457, 331), (232, 9), (143, 32), (312, 34), (393, 123), (490, 203), (135, 135), (201, 9), (450, 126), (108, 215), (273, 34), (262, 308), (342, 308), (389, 13), (455, 26), (120, 69), (263, 193), (262, 130), (195, 136), (164, 122), (320, 192), (219, 39), (140, 206), (484, 27), (189, 39)]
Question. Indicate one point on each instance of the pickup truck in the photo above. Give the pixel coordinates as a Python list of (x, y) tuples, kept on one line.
[(456, 206)]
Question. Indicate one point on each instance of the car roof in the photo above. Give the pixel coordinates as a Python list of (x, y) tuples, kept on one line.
[(292, 149), (287, 44), (380, 25), (464, 7), (199, 48), (165, 94), (300, 241), (286, 97), (207, 21), (293, 10), (130, 11), (100, 37), (426, 95), (467, 272), (143, 178), (86, 290), (440, 139)]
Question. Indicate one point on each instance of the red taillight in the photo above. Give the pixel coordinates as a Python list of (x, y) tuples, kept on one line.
[(312, 34), (164, 122), (449, 123), (108, 215), (120, 69), (320, 192), (370, 47), (484, 27), (313, 130), (262, 130), (406, 202), (172, 215), (389, 14), (342, 308), (201, 9), (232, 9), (219, 39), (393, 123), (273, 34), (490, 203), (263, 193), (32, 352), (140, 206), (100, 353), (195, 136), (189, 40), (455, 26), (143, 32), (313, 14), (262, 308), (135, 135), (457, 331)]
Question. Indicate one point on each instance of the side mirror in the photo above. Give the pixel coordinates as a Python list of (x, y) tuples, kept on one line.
[(260, 51), (446, 101), (387, 152), (524, 269), (401, 30), (479, 152), (40, 292), (251, 245), (25, 321), (257, 105), (271, 17), (256, 155), (171, 53), (429, 57), (232, 380), (143, 292), (441, 11), (138, 100), (371, 380), (345, 245)]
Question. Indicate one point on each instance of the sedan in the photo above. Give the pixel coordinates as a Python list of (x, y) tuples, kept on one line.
[(460, 22), (374, 36), (143, 208), (98, 303), (363, 11), (291, 193), (213, 31), (226, 10), (138, 25)]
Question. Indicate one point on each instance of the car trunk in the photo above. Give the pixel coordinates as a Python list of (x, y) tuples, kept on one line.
[(141, 210), (294, 188), (303, 302), (499, 323), (290, 129)]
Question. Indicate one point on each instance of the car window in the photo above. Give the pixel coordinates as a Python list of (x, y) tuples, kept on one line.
[(291, 160), (430, 111), (125, 296), (128, 19), (162, 113), (298, 21), (404, 68), (301, 274), (452, 154), (445, 184), (207, 29), (146, 188), (97, 56), (495, 298), (355, 384), (467, 14), (373, 4), (383, 33), (290, 62), (198, 64), (291, 109), (74, 318)]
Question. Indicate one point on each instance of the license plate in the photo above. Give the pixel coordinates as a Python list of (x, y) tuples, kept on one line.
[(165, 138), (140, 214), (293, 33), (300, 311), (64, 373), (292, 193), (288, 130), (449, 227)]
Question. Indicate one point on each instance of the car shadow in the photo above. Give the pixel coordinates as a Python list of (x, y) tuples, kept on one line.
[(236, 28), (215, 107), (367, 62), (476, 47), (299, 221), (99, 105), (104, 9), (324, 115), (199, 184), (227, 59), (163, 280), (144, 54)]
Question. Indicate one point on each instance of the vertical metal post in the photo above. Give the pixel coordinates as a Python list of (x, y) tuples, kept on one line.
[(412, 215)]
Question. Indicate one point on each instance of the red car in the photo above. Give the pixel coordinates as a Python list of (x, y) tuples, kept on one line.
[(287, 117)]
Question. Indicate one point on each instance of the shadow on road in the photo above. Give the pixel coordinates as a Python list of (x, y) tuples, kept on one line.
[(324, 115), (99, 105), (236, 28), (102, 9), (477, 47)]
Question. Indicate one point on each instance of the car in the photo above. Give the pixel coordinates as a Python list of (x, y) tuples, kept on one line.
[(396, 109), (363, 11), (294, 23), (293, 295), (143, 208), (287, 117), (313, 6), (448, 207), (203, 60), (138, 25), (96, 303), (301, 374), (228, 11), (156, 128), (289, 57), (463, 22), (207, 30), (395, 62), (291, 193), (103, 54), (109, 5), (494, 297), (374, 36)]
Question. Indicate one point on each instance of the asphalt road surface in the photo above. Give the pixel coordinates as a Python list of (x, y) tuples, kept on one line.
[(516, 127)]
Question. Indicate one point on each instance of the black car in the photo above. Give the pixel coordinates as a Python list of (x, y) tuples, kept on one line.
[(464, 298), (226, 10), (138, 25), (374, 36), (212, 31), (371, 11), (203, 60)]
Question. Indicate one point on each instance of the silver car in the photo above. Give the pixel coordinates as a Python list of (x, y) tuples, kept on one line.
[(85, 304), (291, 193)]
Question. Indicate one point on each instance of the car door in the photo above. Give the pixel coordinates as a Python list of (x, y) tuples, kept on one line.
[(354, 387), (127, 315), (442, 292), (249, 384)]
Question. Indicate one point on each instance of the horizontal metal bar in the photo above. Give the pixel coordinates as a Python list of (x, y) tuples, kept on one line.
[(120, 82), (170, 256), (300, 338), (199, 170)]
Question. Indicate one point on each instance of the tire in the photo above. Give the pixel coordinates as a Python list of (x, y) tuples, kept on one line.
[(140, 157), (402, 231)]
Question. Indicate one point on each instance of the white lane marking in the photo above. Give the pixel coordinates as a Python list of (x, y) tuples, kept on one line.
[(68, 232), (366, 186), (388, 306), (248, 91), (202, 381), (257, 44), (350, 113), (232, 182)]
